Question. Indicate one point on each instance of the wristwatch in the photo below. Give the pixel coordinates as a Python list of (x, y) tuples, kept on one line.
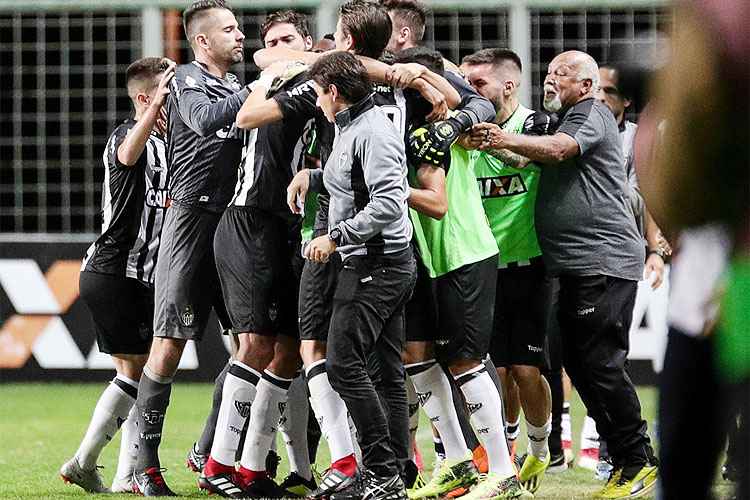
[(660, 252), (335, 236)]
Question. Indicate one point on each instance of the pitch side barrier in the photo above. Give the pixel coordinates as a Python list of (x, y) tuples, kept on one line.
[(46, 333)]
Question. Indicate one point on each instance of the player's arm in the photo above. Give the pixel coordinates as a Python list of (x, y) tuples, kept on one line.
[(266, 57), (305, 181), (203, 116), (131, 148), (410, 75), (429, 197), (536, 124)]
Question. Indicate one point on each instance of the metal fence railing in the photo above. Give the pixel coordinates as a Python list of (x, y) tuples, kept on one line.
[(62, 68)]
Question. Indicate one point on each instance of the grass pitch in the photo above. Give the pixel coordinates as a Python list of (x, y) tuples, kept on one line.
[(42, 424)]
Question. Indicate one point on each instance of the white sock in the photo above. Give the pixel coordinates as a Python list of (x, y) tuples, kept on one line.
[(237, 398), (330, 410), (485, 407), (538, 443), (413, 402), (434, 394), (566, 434), (128, 446), (109, 413), (589, 435), (513, 429), (293, 428), (264, 420)]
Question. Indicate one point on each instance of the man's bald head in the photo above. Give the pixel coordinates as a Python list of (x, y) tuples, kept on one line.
[(571, 77)]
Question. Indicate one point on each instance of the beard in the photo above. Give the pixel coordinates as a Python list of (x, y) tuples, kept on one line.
[(236, 56), (552, 104)]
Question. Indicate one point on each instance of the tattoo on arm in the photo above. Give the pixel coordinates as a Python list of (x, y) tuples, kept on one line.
[(509, 158)]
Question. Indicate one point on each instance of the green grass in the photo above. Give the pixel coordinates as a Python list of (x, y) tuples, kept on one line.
[(42, 424)]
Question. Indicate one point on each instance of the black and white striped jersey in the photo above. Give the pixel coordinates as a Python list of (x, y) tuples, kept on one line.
[(133, 202), (272, 154), (203, 145)]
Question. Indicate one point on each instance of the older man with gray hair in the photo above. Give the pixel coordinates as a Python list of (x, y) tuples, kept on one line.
[(589, 239)]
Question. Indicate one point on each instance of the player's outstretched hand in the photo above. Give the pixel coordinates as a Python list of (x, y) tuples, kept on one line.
[(432, 144), (297, 191)]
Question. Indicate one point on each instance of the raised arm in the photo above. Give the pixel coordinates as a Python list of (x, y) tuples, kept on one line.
[(205, 117), (132, 146)]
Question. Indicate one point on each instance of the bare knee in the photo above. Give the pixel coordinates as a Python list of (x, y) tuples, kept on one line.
[(256, 351), (312, 351), (165, 355), (526, 376), (130, 365)]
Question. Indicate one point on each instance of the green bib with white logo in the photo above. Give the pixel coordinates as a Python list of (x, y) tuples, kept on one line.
[(463, 235), (509, 195)]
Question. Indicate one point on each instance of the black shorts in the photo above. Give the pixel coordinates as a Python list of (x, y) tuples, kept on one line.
[(254, 260), (186, 284), (123, 312), (421, 310), (316, 289), (466, 303), (522, 313)]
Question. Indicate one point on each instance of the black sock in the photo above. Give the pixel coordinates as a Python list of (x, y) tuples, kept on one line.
[(556, 388), (152, 402), (203, 446)]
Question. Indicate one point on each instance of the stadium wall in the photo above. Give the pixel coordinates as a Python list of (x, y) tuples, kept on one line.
[(46, 333)]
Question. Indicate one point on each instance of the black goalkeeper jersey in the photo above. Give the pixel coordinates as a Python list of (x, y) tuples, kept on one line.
[(272, 154), (204, 145), (133, 202)]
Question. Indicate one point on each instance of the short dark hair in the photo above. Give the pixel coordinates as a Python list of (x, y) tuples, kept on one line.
[(296, 19), (144, 71), (494, 57), (198, 10), (346, 72), (411, 13), (369, 25), (429, 58)]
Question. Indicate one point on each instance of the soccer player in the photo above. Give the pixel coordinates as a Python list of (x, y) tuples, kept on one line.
[(589, 239), (365, 176), (458, 261), (508, 185), (364, 28), (203, 153), (116, 280), (255, 243)]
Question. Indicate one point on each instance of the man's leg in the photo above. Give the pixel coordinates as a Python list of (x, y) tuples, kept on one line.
[(595, 315)]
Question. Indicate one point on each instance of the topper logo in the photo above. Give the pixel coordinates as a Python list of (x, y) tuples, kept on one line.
[(39, 300)]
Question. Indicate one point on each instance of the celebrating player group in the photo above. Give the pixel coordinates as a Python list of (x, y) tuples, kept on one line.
[(378, 230)]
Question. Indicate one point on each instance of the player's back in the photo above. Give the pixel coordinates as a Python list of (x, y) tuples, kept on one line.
[(204, 146)]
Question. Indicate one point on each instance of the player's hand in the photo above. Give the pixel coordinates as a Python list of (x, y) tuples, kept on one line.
[(432, 144), (320, 249), (469, 141), (402, 75), (492, 136), (162, 90), (654, 267), (280, 72), (297, 191)]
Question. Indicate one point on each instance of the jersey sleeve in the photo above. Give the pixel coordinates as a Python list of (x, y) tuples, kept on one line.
[(297, 102), (476, 106), (584, 125), (538, 123), (195, 107), (114, 143)]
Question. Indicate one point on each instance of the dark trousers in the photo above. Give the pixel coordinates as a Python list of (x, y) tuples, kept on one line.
[(368, 319), (595, 313), (692, 399)]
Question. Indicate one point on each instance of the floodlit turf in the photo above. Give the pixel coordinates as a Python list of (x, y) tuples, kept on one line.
[(42, 424)]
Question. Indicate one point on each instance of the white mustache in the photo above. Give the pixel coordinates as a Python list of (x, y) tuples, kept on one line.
[(550, 88)]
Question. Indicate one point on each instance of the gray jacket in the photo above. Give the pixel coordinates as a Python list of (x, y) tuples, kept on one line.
[(365, 176)]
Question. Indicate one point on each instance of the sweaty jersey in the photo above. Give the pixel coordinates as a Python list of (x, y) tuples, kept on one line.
[(272, 154), (133, 202), (509, 194), (204, 146), (463, 235)]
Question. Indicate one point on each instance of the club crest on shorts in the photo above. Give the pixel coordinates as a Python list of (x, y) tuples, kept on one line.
[(187, 316)]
